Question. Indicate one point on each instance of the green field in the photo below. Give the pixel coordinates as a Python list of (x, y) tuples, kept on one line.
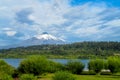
[(87, 77)]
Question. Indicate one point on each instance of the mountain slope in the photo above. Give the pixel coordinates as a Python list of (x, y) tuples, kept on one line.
[(44, 38)]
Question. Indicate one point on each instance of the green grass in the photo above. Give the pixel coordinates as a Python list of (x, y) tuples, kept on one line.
[(87, 77), (97, 77)]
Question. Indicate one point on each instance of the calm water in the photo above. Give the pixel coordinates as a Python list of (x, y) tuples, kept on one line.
[(15, 62)]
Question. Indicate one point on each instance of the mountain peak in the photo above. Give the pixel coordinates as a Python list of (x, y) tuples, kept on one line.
[(46, 36), (45, 33)]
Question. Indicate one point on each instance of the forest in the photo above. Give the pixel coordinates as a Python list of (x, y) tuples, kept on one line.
[(78, 50)]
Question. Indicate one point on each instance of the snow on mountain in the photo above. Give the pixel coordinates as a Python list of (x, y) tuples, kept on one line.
[(46, 36)]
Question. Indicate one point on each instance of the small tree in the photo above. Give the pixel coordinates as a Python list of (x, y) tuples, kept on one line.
[(114, 64), (34, 65), (106, 64), (96, 65), (63, 76), (6, 68), (75, 67)]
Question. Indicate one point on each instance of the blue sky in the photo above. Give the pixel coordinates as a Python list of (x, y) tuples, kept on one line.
[(71, 20), (110, 3)]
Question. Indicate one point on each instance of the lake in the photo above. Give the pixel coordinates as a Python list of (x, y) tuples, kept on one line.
[(15, 62)]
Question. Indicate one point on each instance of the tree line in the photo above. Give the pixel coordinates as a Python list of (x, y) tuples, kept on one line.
[(75, 50)]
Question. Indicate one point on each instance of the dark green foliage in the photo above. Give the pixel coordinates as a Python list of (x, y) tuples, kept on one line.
[(63, 76), (75, 67), (34, 64), (96, 65), (114, 64), (27, 77), (5, 68), (15, 74)]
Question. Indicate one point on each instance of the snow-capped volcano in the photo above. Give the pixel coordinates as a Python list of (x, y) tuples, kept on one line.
[(41, 39), (46, 36)]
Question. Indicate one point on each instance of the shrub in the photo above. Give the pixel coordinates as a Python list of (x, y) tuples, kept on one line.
[(91, 72), (34, 65), (5, 68), (114, 64), (96, 65), (4, 76), (15, 74), (54, 67), (75, 67), (63, 76), (27, 77)]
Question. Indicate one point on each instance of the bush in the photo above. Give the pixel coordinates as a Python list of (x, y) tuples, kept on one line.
[(28, 77), (91, 72), (63, 76), (75, 67), (54, 67), (4, 76), (114, 64), (34, 65), (5, 68), (96, 65)]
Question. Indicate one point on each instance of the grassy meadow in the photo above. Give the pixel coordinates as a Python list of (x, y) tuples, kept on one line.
[(87, 77)]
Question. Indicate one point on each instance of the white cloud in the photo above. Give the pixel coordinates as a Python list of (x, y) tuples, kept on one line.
[(86, 31), (10, 33), (115, 23), (6, 29)]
